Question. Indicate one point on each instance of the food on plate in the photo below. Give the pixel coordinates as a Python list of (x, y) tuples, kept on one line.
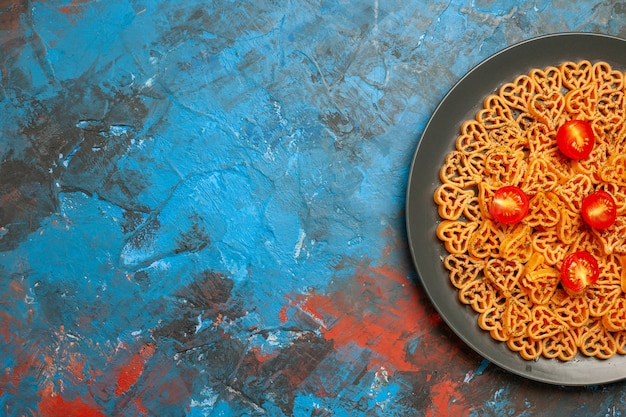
[(533, 208)]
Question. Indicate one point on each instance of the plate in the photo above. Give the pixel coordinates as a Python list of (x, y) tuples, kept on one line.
[(461, 103)]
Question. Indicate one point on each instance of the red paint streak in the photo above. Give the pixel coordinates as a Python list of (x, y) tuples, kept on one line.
[(445, 402), (140, 407), (282, 314), (435, 319), (26, 362), (17, 289), (381, 313), (54, 405), (72, 8), (260, 357), (76, 366), (133, 369), (5, 325)]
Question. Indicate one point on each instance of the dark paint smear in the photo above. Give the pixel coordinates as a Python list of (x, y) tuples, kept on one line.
[(58, 131), (419, 396), (143, 279), (12, 40), (279, 377), (204, 297), (217, 354), (204, 356), (181, 330), (98, 144), (208, 289), (131, 221), (168, 387), (11, 13), (193, 240), (25, 199), (230, 368)]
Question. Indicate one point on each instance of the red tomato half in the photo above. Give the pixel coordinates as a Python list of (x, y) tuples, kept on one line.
[(599, 210), (509, 205), (575, 139), (579, 270)]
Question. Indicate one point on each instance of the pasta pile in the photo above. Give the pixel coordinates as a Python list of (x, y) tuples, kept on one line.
[(510, 274)]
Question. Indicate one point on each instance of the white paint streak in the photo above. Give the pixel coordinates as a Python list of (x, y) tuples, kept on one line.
[(272, 340), (199, 325), (381, 379), (468, 377), (207, 403), (299, 244), (160, 265), (279, 113), (118, 130), (497, 394), (319, 320)]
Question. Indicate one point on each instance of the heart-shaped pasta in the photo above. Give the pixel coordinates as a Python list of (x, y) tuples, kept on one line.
[(576, 74), (463, 269), (561, 345), (582, 103), (509, 274), (495, 113), (597, 341), (456, 234), (548, 108), (516, 94), (453, 201), (491, 321), (574, 311), (615, 319)]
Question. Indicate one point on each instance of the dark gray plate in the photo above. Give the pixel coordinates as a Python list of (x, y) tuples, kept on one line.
[(460, 104)]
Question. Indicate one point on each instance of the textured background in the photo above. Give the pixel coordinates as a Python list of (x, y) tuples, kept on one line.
[(202, 207)]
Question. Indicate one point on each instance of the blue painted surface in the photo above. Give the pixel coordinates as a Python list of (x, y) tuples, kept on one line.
[(202, 207)]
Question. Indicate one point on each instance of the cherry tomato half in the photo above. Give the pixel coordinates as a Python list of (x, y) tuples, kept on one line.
[(575, 139), (579, 270), (599, 210), (510, 205)]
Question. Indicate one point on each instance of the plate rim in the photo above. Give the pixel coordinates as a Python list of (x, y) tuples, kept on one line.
[(525, 371)]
